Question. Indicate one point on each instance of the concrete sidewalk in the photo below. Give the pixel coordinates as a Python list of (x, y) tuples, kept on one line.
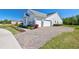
[(7, 40)]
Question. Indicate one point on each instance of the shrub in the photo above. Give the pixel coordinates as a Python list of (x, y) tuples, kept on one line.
[(29, 27), (21, 25), (57, 24)]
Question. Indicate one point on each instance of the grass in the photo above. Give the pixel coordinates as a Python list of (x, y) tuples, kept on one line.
[(66, 40), (9, 27)]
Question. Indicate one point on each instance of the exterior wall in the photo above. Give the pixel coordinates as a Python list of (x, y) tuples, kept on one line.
[(13, 22), (28, 20), (25, 21), (31, 20), (19, 22), (39, 22), (55, 18)]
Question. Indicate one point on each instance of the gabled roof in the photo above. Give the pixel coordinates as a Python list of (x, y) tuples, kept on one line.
[(38, 14), (47, 13), (51, 13)]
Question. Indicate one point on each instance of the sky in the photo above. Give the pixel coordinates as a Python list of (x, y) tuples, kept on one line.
[(62, 12), (12, 14), (17, 14)]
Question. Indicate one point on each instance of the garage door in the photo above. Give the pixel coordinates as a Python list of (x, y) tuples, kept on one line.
[(47, 23), (38, 22)]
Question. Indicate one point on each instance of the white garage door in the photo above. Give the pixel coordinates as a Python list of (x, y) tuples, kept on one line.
[(47, 23), (38, 22)]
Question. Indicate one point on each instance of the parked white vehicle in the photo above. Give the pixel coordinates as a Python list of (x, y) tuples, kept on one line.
[(32, 17)]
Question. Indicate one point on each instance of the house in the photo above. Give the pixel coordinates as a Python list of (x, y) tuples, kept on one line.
[(32, 17), (15, 22)]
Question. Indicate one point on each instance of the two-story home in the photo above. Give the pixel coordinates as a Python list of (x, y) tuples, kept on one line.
[(32, 17)]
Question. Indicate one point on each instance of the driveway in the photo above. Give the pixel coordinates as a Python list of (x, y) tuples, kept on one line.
[(7, 40), (34, 39)]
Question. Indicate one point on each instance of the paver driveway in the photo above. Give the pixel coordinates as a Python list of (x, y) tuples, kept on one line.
[(7, 40), (36, 38)]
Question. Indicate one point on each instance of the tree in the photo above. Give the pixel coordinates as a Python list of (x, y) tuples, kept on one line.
[(6, 21), (77, 19), (70, 21)]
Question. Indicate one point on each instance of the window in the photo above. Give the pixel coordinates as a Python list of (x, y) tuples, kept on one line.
[(55, 22)]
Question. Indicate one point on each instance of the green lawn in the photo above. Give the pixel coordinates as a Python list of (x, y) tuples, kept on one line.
[(10, 28), (65, 40)]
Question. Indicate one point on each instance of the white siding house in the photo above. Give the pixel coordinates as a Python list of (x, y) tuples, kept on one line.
[(55, 18), (15, 22), (32, 17)]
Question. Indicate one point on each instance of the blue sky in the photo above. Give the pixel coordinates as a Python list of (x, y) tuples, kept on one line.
[(62, 12), (17, 14), (12, 14)]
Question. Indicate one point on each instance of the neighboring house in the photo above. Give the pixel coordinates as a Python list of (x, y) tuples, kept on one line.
[(15, 22), (32, 17)]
